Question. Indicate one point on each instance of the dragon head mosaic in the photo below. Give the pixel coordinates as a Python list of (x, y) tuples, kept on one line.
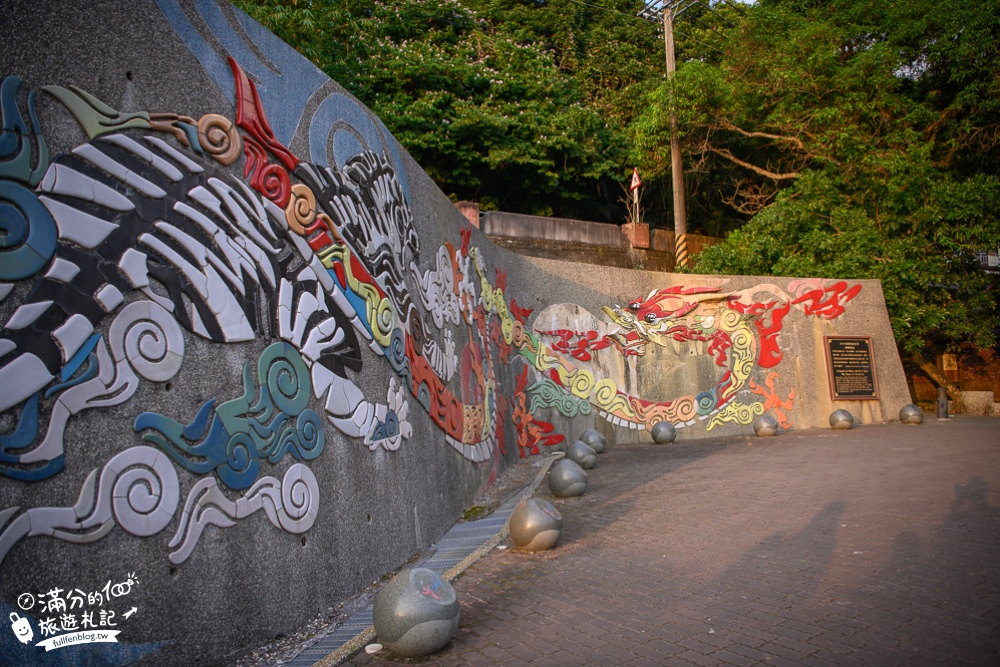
[(672, 313)]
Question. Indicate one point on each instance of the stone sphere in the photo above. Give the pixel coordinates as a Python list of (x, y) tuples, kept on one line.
[(911, 414), (567, 479), (841, 419), (663, 433), (765, 425), (595, 440), (582, 454), (535, 525), (416, 613)]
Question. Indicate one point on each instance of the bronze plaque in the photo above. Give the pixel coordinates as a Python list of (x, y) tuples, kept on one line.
[(850, 365)]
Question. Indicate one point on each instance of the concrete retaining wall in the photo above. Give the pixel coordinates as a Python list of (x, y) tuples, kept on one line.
[(252, 359), (772, 360), (977, 403), (519, 225), (583, 241)]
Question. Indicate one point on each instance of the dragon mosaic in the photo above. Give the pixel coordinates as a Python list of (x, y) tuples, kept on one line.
[(115, 252), (739, 329)]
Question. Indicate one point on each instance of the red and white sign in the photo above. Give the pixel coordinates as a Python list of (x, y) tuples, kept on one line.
[(635, 180)]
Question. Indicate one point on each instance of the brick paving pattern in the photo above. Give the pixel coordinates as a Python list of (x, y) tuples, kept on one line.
[(876, 546)]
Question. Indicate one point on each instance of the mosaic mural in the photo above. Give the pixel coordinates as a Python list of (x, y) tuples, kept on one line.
[(117, 252)]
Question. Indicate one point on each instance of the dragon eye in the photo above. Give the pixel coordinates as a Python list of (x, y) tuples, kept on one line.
[(634, 305), (650, 317)]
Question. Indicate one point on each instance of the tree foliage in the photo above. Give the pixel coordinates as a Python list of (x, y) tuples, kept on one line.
[(512, 103), (863, 138)]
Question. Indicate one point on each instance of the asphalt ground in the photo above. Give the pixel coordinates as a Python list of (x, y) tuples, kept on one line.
[(870, 547)]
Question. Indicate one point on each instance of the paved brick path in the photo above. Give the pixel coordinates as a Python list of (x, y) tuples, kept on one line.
[(877, 546)]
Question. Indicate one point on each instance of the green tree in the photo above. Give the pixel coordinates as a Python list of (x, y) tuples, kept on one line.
[(862, 137), (517, 104)]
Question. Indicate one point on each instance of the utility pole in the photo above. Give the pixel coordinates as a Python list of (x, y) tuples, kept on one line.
[(676, 166)]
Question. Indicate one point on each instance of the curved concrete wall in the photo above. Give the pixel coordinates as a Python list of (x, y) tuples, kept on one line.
[(251, 359)]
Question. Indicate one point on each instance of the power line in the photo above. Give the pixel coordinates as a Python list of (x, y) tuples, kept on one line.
[(737, 7), (608, 9), (696, 41), (652, 11), (712, 9)]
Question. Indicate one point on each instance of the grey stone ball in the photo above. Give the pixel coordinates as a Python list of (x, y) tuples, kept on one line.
[(535, 525), (765, 425), (911, 414), (663, 433), (594, 440), (582, 454), (567, 479), (416, 613), (841, 419)]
